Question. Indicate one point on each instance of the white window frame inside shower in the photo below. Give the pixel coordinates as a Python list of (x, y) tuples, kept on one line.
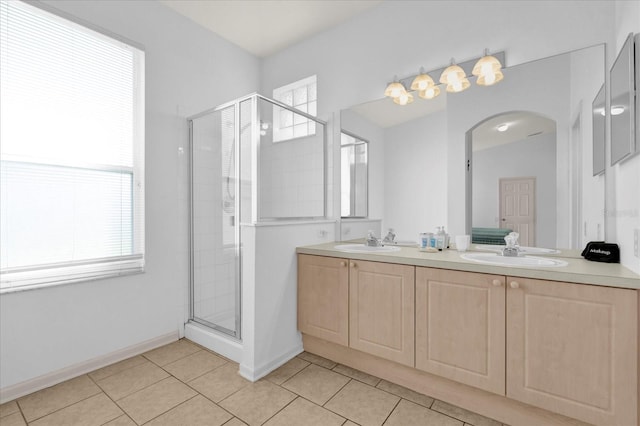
[(301, 95), (72, 192)]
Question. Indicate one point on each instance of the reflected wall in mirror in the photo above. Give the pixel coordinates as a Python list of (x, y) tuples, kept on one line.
[(514, 178), (597, 117), (426, 146), (354, 160)]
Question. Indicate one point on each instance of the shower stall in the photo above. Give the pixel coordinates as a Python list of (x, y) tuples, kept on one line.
[(253, 161)]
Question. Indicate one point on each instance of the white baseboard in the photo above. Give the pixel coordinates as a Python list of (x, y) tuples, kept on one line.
[(12, 392), (258, 373)]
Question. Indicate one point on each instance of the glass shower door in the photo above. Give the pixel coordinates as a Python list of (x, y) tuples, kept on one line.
[(215, 278)]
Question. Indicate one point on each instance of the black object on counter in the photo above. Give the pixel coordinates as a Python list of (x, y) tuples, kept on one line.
[(599, 251)]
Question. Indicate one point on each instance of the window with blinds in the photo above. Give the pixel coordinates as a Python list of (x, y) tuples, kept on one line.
[(71, 151)]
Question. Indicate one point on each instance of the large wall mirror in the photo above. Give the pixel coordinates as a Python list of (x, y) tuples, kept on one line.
[(444, 161)]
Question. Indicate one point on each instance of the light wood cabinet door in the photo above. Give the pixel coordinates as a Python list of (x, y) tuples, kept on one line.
[(460, 327), (323, 298), (573, 349), (381, 314)]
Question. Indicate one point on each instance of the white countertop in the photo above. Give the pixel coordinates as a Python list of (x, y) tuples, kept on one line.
[(577, 271)]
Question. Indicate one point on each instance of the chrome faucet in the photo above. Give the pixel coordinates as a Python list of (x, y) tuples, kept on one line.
[(372, 241), (512, 249), (389, 238)]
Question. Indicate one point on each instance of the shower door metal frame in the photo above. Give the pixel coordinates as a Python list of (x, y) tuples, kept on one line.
[(238, 251)]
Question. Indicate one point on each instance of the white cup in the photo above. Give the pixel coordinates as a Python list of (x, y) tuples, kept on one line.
[(462, 242)]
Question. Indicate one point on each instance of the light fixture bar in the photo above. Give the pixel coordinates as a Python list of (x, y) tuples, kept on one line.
[(467, 66)]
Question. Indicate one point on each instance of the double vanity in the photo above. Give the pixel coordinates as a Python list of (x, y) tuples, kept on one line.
[(524, 344)]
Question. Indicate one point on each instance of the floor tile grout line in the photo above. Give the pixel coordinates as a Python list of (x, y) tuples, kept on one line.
[(329, 410), (354, 378), (112, 400), (392, 410), (165, 412), (121, 371), (288, 404), (215, 403), (294, 375), (197, 377), (61, 408), (129, 394), (177, 359), (334, 395)]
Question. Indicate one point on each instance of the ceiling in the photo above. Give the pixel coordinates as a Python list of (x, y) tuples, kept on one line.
[(521, 126), (384, 113), (264, 27)]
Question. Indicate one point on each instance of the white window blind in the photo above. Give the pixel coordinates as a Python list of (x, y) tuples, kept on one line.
[(302, 95), (71, 151)]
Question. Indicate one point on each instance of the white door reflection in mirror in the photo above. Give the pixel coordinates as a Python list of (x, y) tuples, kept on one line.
[(518, 206)]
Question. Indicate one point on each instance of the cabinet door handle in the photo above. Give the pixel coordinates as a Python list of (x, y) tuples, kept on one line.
[(515, 284), (497, 283), (343, 263), (354, 265)]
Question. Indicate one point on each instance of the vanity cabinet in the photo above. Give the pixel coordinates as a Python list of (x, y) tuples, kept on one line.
[(368, 306), (460, 327), (520, 344), (381, 310), (573, 348), (323, 298)]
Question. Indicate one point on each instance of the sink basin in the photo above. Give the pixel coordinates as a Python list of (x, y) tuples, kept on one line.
[(525, 250), (361, 248), (521, 261)]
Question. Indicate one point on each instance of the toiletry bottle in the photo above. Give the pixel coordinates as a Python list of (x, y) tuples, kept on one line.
[(440, 238), (433, 240), (424, 240), (446, 239)]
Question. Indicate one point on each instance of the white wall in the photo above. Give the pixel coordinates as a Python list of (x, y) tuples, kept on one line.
[(415, 166), (531, 157), (623, 179), (188, 69)]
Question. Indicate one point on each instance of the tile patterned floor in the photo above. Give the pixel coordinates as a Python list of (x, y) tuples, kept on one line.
[(185, 384)]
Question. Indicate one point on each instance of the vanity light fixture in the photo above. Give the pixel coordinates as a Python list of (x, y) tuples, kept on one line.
[(487, 70), (455, 78), (404, 98), (502, 127), (425, 86), (395, 89)]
